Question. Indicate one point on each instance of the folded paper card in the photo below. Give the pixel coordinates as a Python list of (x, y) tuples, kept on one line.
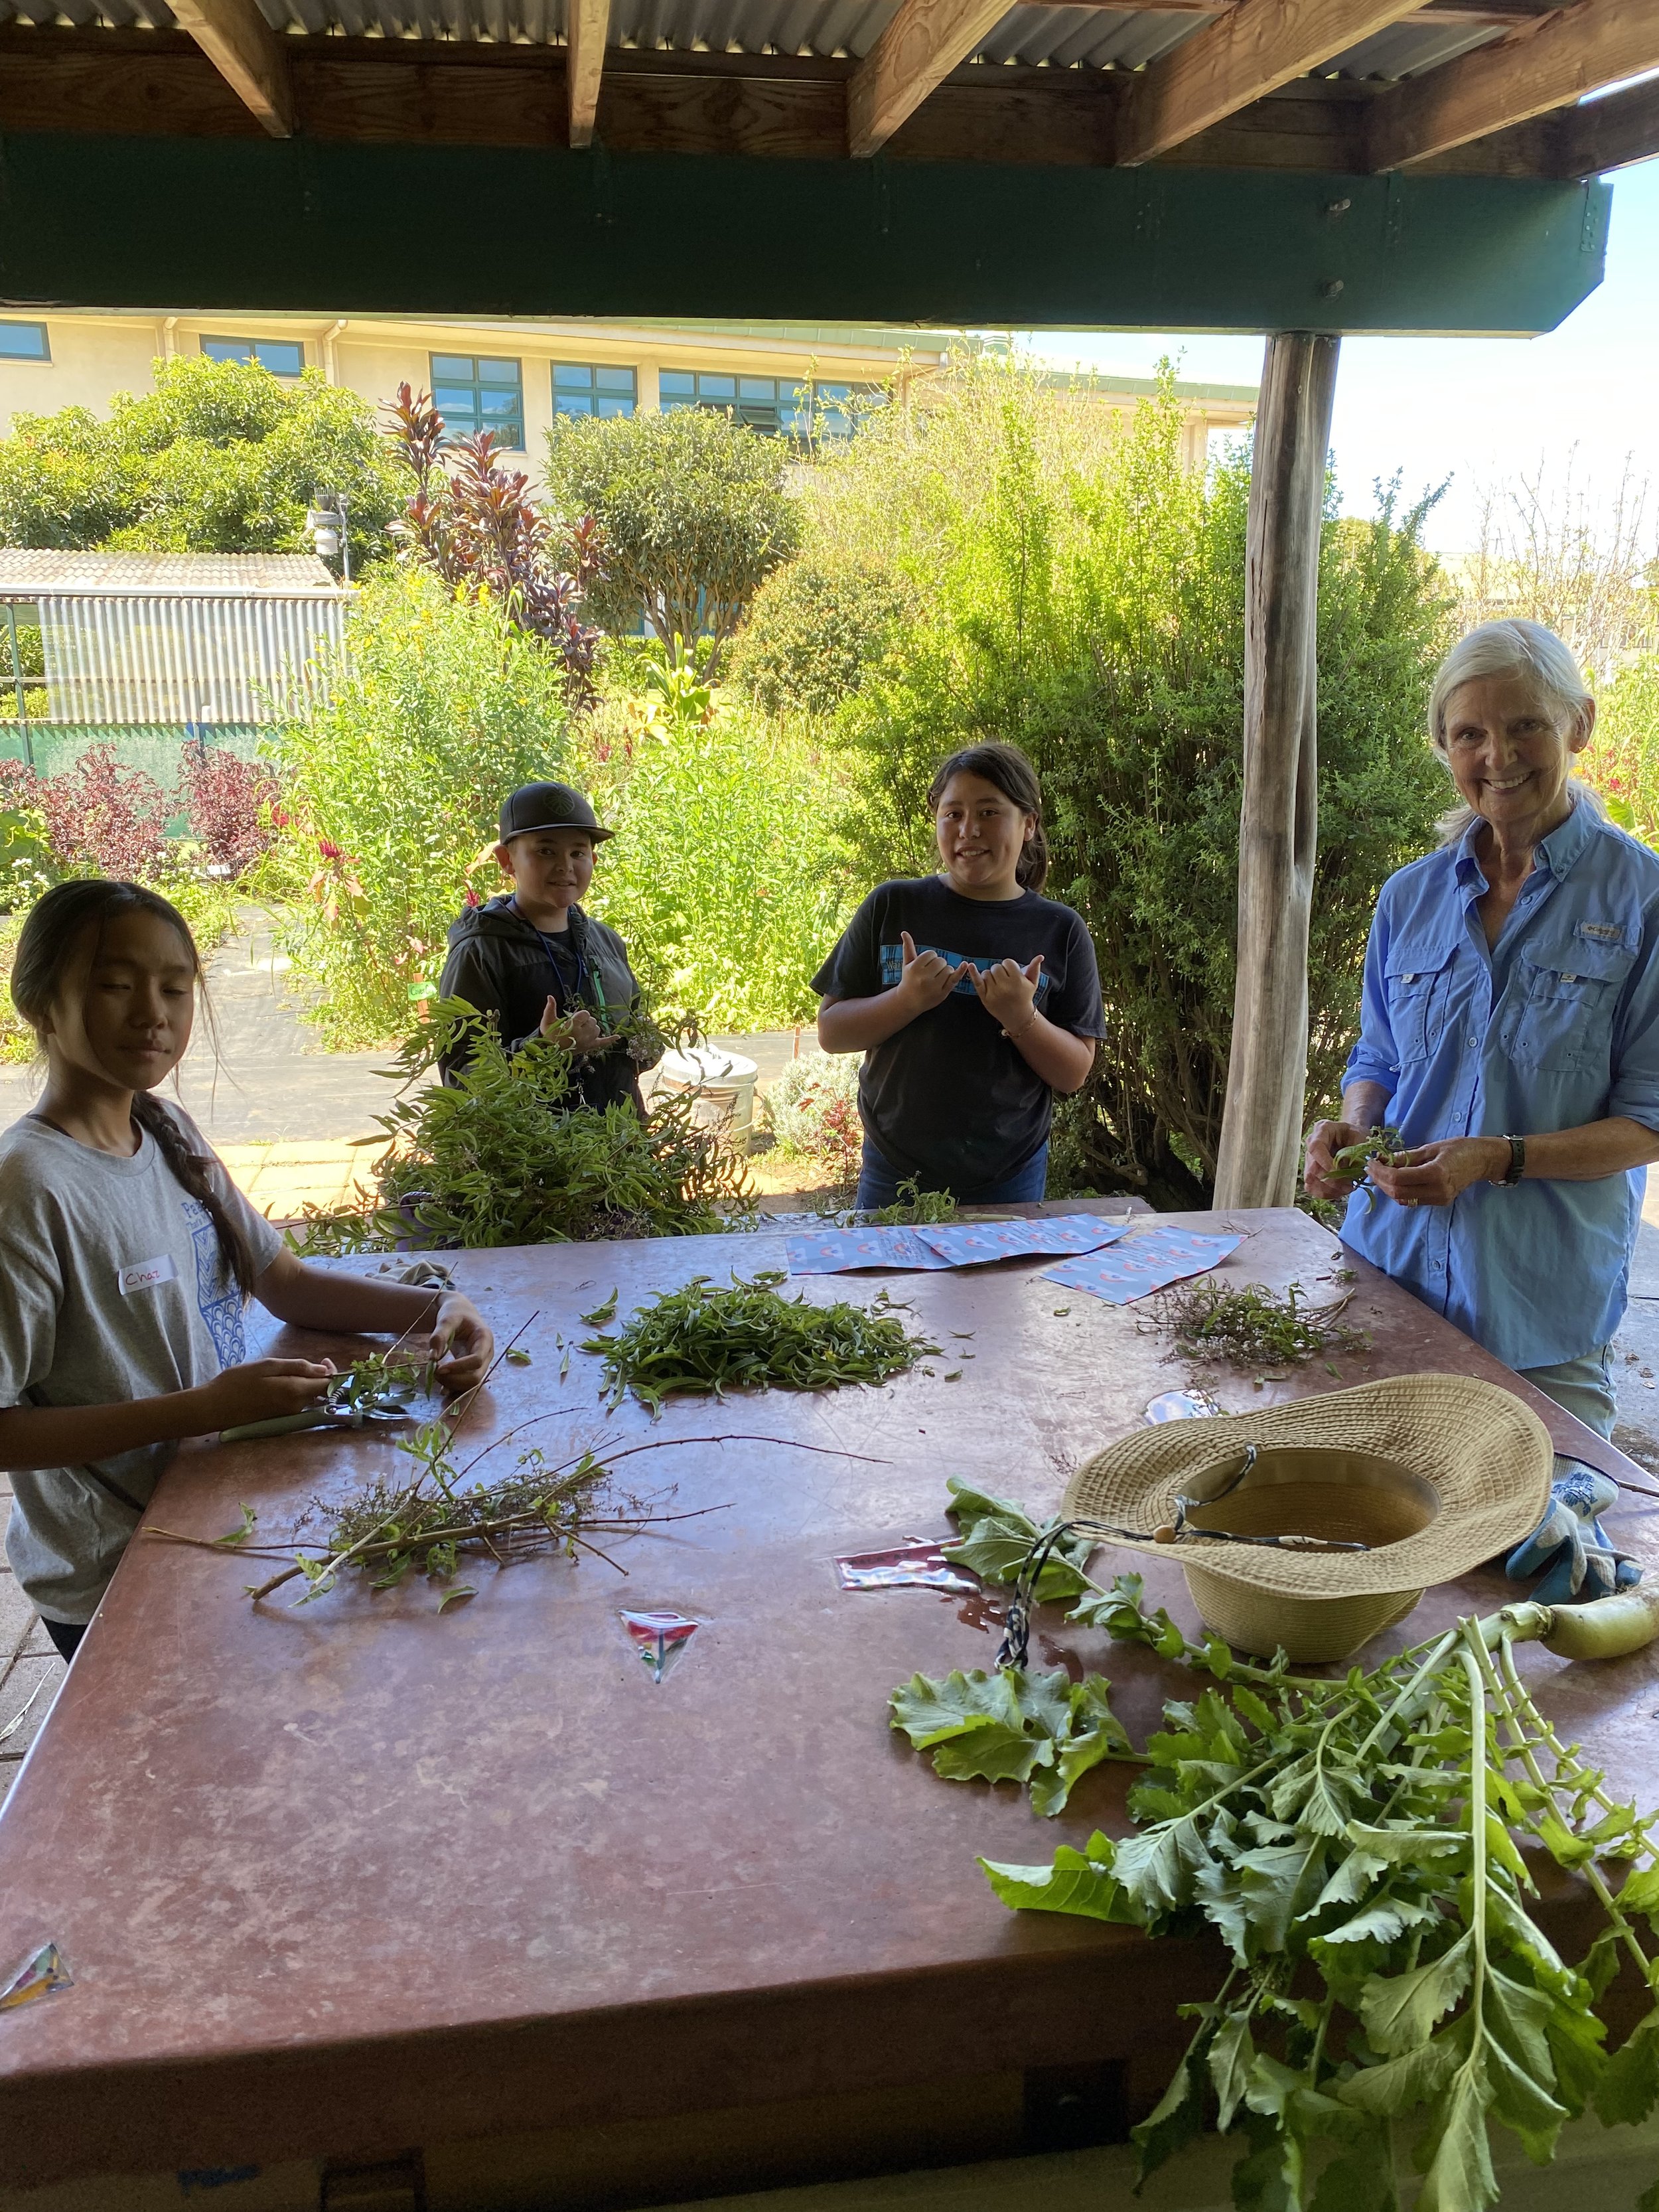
[(967, 1243), (1142, 1264), (838, 1251)]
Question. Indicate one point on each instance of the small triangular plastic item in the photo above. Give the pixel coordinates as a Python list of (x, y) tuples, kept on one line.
[(45, 1974), (660, 1639)]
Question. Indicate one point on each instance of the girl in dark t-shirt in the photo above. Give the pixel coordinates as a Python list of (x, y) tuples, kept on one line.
[(973, 999)]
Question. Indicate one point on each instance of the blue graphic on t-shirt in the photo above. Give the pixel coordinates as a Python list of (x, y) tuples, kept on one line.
[(892, 968), (217, 1297)]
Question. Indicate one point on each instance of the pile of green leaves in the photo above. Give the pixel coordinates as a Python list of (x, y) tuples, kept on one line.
[(701, 1340), (1355, 1843), (1252, 1326), (496, 1156)]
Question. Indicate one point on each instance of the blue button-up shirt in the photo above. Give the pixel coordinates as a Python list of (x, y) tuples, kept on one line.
[(1557, 1026)]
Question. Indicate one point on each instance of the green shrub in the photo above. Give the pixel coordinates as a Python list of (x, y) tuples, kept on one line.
[(495, 1157), (813, 1105), (723, 877), (1622, 760), (692, 513), (813, 629), (1087, 602), (221, 457), (393, 788)]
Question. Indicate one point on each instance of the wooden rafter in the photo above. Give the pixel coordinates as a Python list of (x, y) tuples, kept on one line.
[(1610, 133), (919, 49), (1575, 52), (246, 53), (590, 27), (1240, 57)]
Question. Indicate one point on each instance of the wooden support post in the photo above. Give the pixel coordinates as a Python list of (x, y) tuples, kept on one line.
[(1267, 1070)]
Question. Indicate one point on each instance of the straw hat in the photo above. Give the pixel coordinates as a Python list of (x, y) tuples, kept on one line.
[(1430, 1473)]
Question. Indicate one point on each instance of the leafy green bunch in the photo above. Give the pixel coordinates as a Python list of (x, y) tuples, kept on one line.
[(702, 1340), (496, 1155), (1355, 1843)]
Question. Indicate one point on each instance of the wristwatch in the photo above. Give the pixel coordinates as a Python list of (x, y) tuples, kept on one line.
[(1518, 1166)]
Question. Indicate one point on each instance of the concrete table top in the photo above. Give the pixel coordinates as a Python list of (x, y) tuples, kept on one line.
[(353, 1875)]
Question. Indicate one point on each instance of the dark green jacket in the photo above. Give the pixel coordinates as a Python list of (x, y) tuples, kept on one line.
[(498, 963)]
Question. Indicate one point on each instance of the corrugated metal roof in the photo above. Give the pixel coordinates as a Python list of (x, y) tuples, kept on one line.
[(1061, 37), (30, 572)]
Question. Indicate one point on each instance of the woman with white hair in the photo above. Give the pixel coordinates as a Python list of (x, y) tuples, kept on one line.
[(1510, 1031)]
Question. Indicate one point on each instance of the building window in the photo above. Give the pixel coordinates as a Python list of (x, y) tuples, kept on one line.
[(24, 341), (777, 406), (474, 393), (581, 387), (281, 356)]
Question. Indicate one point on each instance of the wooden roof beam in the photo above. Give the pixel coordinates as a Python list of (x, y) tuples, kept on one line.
[(1611, 133), (1575, 52), (589, 27), (925, 41), (1243, 56), (246, 53)]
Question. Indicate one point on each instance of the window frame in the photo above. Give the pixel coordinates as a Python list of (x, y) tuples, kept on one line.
[(596, 395), (41, 360), (251, 357), (480, 385)]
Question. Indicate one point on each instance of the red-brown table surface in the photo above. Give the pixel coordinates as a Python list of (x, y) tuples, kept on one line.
[(353, 1875)]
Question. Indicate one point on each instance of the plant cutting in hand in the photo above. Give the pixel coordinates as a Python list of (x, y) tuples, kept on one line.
[(380, 1387), (1352, 1162), (1252, 1326), (1355, 1841), (701, 1340)]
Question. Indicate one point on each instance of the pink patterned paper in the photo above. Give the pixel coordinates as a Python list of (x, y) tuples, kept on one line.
[(967, 1243), (838, 1251), (1142, 1264)]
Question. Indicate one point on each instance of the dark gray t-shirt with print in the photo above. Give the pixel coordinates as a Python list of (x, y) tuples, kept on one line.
[(111, 1288)]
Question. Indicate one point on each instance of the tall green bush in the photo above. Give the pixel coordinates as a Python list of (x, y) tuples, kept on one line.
[(220, 457), (692, 512), (1083, 595), (723, 877), (440, 709), (1622, 760)]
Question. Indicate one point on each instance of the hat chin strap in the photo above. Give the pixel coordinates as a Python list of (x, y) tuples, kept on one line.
[(1015, 1646)]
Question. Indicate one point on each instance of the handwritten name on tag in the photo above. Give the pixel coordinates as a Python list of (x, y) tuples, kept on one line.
[(145, 1274)]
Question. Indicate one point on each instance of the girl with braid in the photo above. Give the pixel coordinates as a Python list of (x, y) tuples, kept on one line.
[(127, 1256)]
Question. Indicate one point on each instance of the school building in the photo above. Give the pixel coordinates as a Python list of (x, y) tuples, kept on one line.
[(513, 376)]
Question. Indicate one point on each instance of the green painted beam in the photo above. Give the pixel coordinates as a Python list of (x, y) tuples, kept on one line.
[(335, 227)]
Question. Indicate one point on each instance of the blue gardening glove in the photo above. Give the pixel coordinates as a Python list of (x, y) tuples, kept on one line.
[(1570, 1548)]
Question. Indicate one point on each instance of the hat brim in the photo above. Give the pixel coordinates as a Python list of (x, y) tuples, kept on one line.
[(592, 829), (1488, 1457)]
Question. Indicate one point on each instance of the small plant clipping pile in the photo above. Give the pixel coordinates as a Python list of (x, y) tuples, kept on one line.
[(1253, 1327), (1356, 1844), (701, 1340), (496, 1156)]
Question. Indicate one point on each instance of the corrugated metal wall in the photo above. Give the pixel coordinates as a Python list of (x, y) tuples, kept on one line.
[(142, 659)]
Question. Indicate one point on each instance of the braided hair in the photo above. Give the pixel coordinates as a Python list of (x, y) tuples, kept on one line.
[(48, 944)]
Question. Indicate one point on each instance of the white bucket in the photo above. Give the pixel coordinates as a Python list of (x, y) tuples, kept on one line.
[(724, 1083)]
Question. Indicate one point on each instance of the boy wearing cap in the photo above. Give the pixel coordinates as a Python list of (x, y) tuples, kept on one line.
[(532, 958)]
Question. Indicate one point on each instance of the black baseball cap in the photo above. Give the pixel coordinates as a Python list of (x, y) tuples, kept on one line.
[(535, 806)]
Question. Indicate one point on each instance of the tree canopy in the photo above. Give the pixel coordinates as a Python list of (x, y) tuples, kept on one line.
[(221, 457), (693, 516)]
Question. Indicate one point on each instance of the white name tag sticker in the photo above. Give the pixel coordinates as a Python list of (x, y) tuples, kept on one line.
[(145, 1274)]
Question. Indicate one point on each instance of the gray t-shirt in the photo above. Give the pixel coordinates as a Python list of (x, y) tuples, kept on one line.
[(111, 1288)]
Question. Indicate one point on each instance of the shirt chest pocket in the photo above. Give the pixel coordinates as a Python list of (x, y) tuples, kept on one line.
[(1418, 982), (1565, 999)]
